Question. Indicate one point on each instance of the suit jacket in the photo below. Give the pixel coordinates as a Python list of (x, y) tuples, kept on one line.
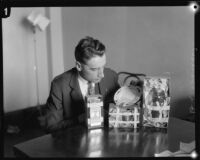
[(65, 105)]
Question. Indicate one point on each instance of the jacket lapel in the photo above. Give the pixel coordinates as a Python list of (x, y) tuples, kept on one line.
[(76, 95)]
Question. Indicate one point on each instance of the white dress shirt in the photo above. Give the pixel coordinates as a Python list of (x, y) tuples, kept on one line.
[(83, 84)]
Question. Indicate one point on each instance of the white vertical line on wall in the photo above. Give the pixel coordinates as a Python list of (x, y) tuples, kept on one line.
[(56, 44), (35, 69), (42, 64)]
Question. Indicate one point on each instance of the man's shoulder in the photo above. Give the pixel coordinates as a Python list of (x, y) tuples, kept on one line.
[(65, 76), (110, 72)]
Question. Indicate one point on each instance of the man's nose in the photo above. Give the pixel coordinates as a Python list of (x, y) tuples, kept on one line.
[(101, 73)]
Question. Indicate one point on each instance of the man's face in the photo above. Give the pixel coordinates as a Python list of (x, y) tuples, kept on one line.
[(93, 70)]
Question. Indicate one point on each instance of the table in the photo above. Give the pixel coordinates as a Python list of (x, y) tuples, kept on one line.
[(80, 142)]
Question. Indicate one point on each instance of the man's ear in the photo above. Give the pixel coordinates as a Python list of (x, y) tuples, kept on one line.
[(78, 66)]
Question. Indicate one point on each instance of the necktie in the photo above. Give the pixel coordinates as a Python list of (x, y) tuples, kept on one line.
[(91, 88)]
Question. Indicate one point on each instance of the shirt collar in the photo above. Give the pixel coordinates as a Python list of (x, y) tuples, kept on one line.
[(81, 79)]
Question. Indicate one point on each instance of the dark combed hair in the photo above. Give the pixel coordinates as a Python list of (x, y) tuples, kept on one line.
[(87, 48)]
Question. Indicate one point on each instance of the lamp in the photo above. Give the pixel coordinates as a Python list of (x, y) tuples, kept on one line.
[(37, 20)]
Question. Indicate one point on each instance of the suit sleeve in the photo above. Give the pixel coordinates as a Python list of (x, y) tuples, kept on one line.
[(53, 118), (114, 86)]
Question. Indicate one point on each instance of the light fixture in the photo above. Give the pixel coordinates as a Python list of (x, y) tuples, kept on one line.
[(37, 22)]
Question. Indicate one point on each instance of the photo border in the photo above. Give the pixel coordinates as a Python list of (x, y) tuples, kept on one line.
[(83, 3)]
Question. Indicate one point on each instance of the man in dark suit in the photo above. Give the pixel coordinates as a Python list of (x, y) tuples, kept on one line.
[(66, 105)]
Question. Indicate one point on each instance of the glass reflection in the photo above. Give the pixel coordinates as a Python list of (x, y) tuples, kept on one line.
[(92, 143), (95, 153)]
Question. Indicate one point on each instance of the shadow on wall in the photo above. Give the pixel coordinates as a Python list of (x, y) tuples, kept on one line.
[(180, 108)]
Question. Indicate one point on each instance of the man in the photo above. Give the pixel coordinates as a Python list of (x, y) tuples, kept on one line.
[(66, 105)]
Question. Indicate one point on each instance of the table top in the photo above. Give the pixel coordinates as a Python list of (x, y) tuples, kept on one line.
[(111, 142)]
